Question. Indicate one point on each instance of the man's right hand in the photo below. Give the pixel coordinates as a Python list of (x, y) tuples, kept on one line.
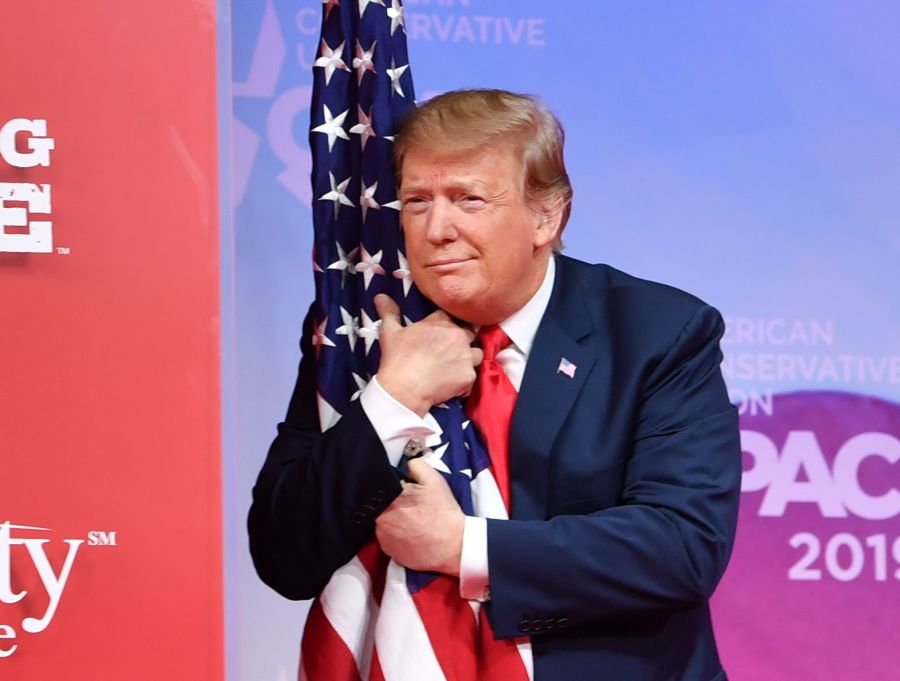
[(427, 362)]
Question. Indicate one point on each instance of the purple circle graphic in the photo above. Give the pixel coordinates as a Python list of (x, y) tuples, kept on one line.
[(813, 587)]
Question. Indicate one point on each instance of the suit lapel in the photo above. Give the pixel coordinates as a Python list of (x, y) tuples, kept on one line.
[(547, 394)]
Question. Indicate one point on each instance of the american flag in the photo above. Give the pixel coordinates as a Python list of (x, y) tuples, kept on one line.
[(375, 619), (566, 367)]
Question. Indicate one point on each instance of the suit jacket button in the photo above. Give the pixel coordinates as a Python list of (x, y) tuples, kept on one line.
[(525, 625), (562, 622)]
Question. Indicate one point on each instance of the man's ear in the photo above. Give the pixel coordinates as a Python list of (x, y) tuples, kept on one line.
[(548, 216)]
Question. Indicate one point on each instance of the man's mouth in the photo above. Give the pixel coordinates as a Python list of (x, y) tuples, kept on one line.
[(447, 264)]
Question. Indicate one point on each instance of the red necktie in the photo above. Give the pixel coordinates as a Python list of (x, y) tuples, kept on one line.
[(491, 403)]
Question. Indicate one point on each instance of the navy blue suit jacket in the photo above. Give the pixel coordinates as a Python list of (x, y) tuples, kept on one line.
[(624, 478)]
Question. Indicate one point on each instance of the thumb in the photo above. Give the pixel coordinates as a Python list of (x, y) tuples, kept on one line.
[(388, 311), (421, 472)]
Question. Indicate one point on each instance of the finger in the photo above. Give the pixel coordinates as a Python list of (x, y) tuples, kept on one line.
[(388, 311), (421, 471), (439, 316), (477, 356)]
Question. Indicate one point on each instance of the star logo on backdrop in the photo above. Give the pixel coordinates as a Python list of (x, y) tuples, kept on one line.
[(344, 263), (364, 127), (396, 12), (333, 126), (362, 62), (369, 265)]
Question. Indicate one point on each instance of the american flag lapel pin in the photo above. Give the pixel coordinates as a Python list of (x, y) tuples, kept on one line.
[(566, 367)]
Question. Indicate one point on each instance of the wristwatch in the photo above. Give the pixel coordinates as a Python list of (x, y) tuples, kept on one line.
[(413, 449)]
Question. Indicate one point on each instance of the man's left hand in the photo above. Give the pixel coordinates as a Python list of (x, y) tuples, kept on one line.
[(423, 528)]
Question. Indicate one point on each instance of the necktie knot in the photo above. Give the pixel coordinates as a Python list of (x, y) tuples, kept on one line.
[(492, 340)]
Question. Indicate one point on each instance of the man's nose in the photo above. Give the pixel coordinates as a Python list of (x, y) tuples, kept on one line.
[(439, 228)]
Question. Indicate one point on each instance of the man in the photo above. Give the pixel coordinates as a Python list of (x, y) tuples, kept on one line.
[(624, 461)]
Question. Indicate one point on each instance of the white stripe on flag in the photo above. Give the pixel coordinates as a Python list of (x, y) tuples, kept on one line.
[(349, 606), (404, 650), (328, 415), (523, 645), (486, 496), (489, 504)]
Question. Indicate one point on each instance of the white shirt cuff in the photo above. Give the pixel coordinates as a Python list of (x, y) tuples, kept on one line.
[(473, 563), (394, 423)]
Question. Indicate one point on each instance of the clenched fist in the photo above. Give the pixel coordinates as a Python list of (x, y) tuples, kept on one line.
[(425, 363)]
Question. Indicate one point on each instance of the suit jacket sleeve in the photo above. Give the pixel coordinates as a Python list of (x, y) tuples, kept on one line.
[(317, 496), (665, 543)]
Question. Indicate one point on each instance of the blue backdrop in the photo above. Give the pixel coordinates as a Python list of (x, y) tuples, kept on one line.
[(746, 152)]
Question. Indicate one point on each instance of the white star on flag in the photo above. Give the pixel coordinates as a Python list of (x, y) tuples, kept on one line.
[(434, 457), (369, 330), (395, 72), (349, 328), (367, 198), (396, 205), (330, 60), (333, 126), (361, 383), (364, 128), (338, 194), (403, 273), (344, 263), (365, 3), (362, 62), (320, 339), (395, 12), (369, 265), (315, 261), (330, 5)]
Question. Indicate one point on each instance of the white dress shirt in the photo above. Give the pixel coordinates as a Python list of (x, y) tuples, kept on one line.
[(395, 425)]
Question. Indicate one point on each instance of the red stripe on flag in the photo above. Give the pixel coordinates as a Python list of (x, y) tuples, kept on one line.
[(324, 654), (375, 562), (498, 660), (451, 627), (375, 673)]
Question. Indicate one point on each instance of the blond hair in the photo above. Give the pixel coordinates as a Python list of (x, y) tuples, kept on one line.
[(466, 120)]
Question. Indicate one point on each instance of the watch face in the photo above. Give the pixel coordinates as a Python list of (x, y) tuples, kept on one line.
[(413, 449)]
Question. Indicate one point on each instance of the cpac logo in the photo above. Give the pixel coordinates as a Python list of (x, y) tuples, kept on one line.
[(800, 474), (54, 584), (29, 199)]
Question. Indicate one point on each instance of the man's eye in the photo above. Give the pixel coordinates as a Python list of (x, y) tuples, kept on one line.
[(471, 201), (415, 203)]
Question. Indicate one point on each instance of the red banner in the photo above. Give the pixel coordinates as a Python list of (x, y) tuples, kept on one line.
[(110, 538)]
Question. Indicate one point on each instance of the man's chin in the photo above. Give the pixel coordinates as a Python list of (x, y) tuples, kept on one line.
[(453, 298)]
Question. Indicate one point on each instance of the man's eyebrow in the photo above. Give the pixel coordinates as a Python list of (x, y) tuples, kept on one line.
[(457, 185)]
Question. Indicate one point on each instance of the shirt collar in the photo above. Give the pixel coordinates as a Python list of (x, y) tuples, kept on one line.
[(522, 326)]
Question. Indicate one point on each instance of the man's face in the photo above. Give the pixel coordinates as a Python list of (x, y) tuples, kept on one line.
[(475, 247)]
